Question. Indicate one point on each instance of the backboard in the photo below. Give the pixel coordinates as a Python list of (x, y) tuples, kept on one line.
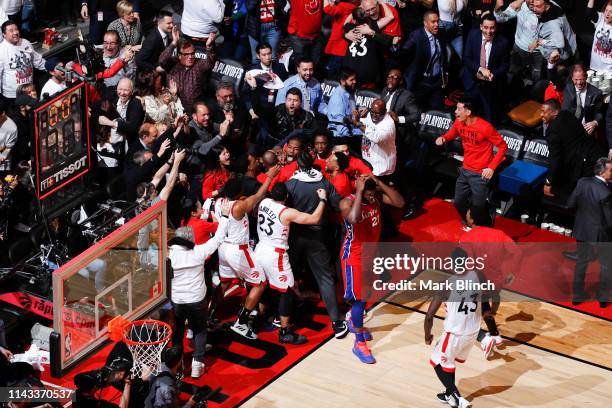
[(123, 274)]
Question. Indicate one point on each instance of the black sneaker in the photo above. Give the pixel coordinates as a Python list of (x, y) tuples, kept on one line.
[(291, 337), (340, 329)]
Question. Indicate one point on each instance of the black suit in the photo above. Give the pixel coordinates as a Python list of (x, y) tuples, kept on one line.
[(489, 92), (593, 101), (426, 89), (593, 202), (572, 152), (404, 104), (147, 59)]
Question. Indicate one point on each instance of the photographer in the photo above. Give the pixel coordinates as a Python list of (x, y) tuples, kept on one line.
[(90, 384), (189, 287), (164, 389)]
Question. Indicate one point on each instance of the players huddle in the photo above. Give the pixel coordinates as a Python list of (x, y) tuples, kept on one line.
[(267, 265)]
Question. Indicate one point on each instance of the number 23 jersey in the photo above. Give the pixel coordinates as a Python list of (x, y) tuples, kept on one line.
[(270, 229), (463, 310)]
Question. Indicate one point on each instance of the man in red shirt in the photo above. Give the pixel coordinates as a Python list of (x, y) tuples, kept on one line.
[(478, 138), (322, 149), (500, 250), (335, 172), (356, 166), (336, 44), (375, 11), (305, 22)]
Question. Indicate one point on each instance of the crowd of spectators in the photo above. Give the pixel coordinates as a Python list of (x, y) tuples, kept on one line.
[(156, 99)]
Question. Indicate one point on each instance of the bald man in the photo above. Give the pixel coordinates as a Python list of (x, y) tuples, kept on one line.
[(378, 141), (131, 116)]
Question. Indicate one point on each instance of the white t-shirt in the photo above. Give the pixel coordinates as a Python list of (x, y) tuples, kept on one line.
[(378, 145), (11, 7), (200, 16), (444, 8), (601, 51), (8, 138), (17, 63), (51, 88)]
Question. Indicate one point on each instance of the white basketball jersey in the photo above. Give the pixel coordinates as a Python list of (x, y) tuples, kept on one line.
[(463, 309), (237, 230), (269, 227)]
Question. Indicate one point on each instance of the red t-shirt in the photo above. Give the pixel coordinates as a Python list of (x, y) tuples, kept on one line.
[(213, 181), (394, 29), (478, 140), (266, 9), (202, 229), (341, 183), (286, 172), (337, 44), (481, 241), (305, 18), (552, 93)]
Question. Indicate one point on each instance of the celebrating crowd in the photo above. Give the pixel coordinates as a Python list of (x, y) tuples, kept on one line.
[(248, 158)]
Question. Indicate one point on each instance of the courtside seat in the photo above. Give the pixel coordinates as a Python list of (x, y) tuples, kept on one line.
[(327, 87), (527, 114), (365, 97)]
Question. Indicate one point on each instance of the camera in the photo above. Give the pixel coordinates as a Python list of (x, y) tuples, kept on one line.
[(113, 372)]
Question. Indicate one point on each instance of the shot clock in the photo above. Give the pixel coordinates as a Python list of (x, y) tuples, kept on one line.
[(61, 140)]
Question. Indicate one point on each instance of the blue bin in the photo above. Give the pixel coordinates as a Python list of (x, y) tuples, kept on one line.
[(522, 178)]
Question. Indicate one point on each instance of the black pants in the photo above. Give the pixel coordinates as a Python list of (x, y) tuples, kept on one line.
[(428, 93), (196, 313), (471, 190), (604, 253), (307, 245)]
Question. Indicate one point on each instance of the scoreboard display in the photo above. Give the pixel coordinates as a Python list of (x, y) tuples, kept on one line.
[(61, 138)]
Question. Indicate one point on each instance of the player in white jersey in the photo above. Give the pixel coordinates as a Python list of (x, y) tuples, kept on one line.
[(273, 221), (461, 327), (235, 255)]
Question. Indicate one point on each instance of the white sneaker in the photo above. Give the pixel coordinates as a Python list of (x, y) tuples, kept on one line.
[(243, 330), (498, 340), (487, 345), (197, 369), (463, 403), (189, 334)]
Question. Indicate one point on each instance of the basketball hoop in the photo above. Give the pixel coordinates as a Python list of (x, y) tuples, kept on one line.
[(146, 340)]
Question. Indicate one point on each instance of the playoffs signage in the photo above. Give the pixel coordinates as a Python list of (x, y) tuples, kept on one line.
[(61, 138)]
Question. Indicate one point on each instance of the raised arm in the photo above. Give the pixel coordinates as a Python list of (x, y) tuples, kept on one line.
[(292, 215), (390, 195), (351, 209), (178, 158), (388, 18), (250, 202)]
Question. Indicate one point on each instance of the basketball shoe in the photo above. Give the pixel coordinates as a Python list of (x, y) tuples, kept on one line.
[(363, 353), (463, 403), (487, 345), (197, 369), (366, 333), (243, 330), (443, 398)]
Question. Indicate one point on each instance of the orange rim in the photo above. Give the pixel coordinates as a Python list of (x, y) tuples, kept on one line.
[(127, 329)]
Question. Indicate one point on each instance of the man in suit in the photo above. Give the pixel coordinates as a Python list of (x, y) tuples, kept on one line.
[(587, 108), (593, 224), (486, 60), (426, 74), (155, 42), (403, 109), (258, 100), (572, 152), (146, 136)]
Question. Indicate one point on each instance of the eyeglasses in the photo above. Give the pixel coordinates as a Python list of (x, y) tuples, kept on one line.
[(188, 54)]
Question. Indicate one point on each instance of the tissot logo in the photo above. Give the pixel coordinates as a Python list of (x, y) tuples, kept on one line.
[(63, 173)]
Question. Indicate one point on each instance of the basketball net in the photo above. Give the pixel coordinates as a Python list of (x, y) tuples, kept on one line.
[(146, 340)]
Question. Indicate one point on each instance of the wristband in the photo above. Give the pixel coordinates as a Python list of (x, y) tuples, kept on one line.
[(169, 163), (225, 216)]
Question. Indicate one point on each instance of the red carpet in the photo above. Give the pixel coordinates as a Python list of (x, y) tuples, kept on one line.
[(548, 272)]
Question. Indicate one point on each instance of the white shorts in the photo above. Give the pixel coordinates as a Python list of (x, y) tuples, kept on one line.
[(452, 348), (236, 262), (275, 264)]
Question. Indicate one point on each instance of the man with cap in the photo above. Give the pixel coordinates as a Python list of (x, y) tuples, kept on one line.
[(57, 82)]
